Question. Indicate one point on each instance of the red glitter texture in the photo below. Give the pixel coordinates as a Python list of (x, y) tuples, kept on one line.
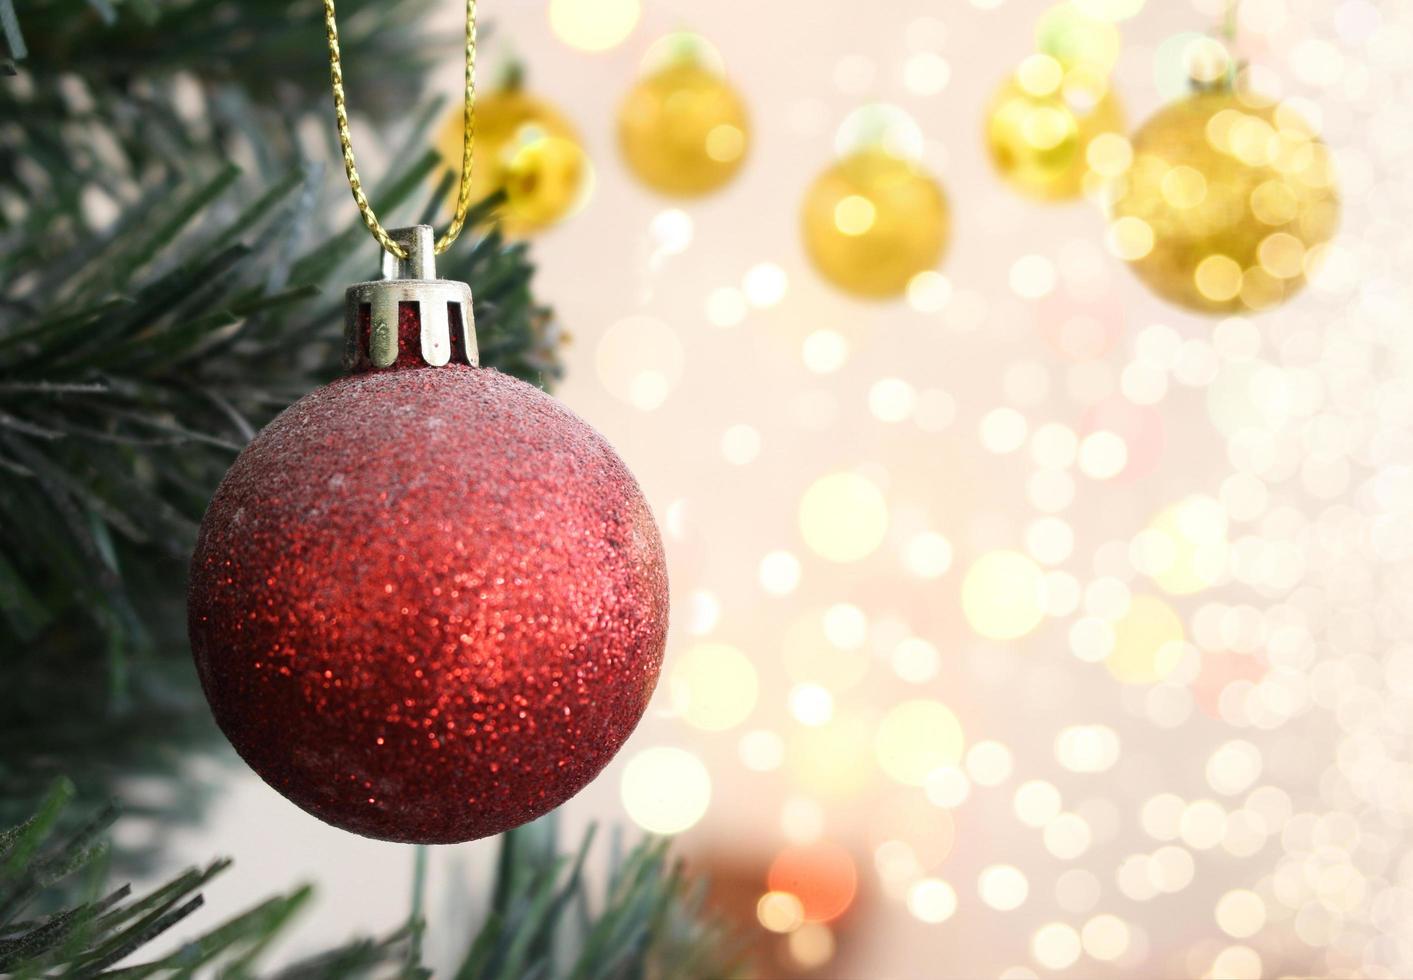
[(428, 604)]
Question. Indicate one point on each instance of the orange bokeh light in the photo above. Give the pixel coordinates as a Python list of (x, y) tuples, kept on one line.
[(821, 875)]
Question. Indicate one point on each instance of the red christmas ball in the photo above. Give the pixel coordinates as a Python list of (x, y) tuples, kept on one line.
[(428, 604)]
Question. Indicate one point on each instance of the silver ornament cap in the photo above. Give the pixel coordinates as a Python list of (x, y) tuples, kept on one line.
[(375, 312)]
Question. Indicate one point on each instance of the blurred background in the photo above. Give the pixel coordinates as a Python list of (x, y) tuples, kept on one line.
[(1032, 615)]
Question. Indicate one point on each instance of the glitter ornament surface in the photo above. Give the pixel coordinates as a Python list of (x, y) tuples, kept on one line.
[(428, 604), (1227, 203)]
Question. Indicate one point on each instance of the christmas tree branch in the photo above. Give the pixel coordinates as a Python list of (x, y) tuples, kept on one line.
[(159, 302), (544, 921)]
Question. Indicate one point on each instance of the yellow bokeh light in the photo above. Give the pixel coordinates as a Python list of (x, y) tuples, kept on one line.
[(891, 400), (714, 686), (833, 760), (1110, 10), (1037, 803), (761, 750), (854, 215), (1109, 154), (1234, 767), (1148, 641), (812, 945), (1087, 748), (947, 787), (779, 572), (740, 444), (639, 360), (802, 820), (1218, 277), (932, 900), (1003, 887), (1068, 836), (1042, 123), (843, 517), (929, 291), (1184, 187), (780, 911), (915, 660), (1047, 127), (665, 790), (1003, 595), (825, 351), (1075, 39), (593, 25), (765, 285), (928, 555), (989, 763), (1237, 963), (1055, 945), (1203, 824), (1105, 937), (824, 647), (725, 143), (811, 704), (1282, 255), (916, 737), (1206, 60), (1171, 869), (1274, 203), (1040, 75), (1130, 238), (1184, 549), (1241, 913), (845, 625)]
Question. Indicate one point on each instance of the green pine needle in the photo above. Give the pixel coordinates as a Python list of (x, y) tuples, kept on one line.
[(546, 922)]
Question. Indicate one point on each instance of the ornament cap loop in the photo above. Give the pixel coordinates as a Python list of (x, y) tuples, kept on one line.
[(409, 318), (420, 262)]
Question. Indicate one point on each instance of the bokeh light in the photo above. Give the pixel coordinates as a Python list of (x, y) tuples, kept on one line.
[(1148, 641), (1051, 604), (665, 790), (821, 875), (593, 25), (640, 360), (780, 911), (917, 737), (932, 900), (1003, 595), (714, 686), (1003, 887), (843, 517)]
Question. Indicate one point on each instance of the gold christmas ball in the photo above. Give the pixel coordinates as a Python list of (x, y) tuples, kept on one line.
[(873, 221), (1041, 123), (525, 148), (682, 127), (1226, 204)]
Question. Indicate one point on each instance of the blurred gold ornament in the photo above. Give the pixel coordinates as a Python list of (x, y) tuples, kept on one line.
[(1042, 122), (873, 221), (682, 127), (1226, 204), (526, 148)]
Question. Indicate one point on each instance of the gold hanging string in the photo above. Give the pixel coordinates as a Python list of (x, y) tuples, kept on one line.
[(468, 140)]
